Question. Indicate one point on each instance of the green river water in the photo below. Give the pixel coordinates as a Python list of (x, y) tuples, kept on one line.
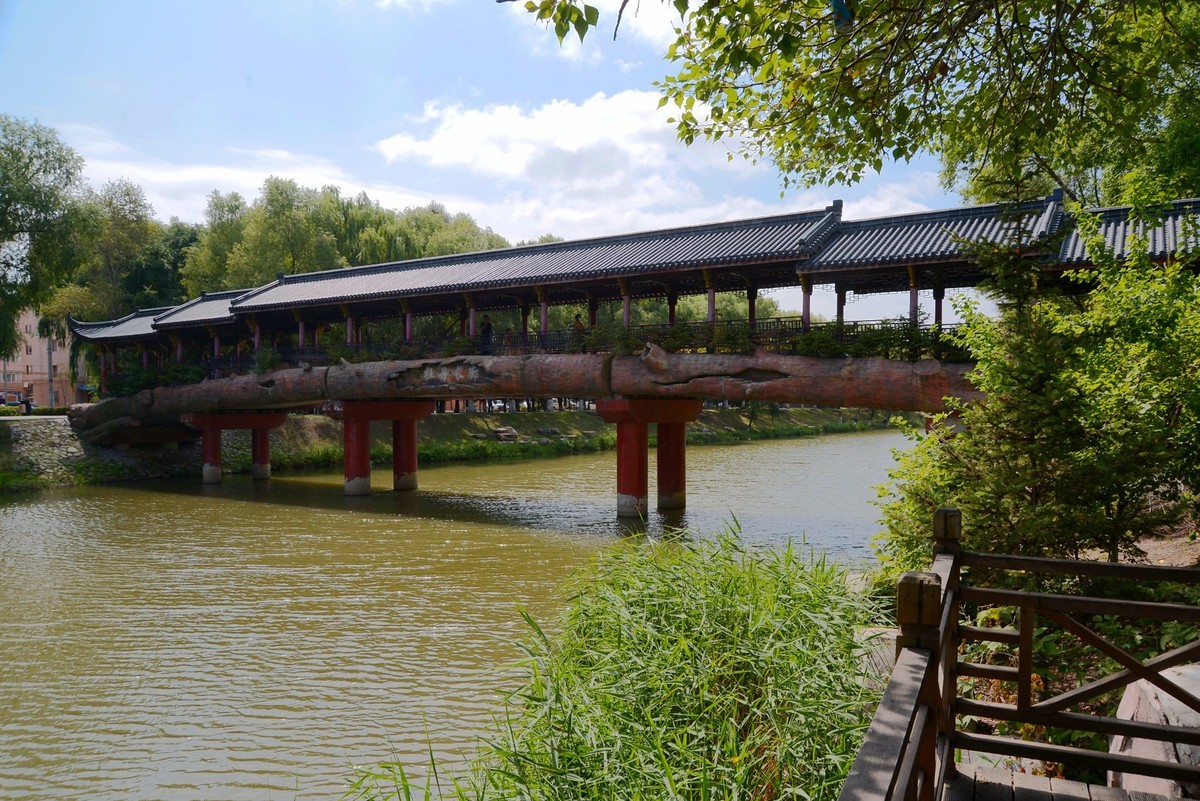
[(254, 641)]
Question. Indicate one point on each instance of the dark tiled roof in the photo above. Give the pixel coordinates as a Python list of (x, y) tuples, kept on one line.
[(138, 325), (1175, 234), (861, 255), (628, 256), (211, 308), (927, 237)]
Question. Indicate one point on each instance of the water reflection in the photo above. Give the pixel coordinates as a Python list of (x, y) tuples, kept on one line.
[(819, 491), (253, 640)]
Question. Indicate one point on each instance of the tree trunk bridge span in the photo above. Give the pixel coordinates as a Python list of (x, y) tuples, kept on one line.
[(925, 715), (633, 393), (871, 383)]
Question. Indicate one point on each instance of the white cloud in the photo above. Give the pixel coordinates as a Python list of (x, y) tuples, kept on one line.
[(560, 142), (606, 166), (407, 4), (181, 190), (892, 198), (649, 23)]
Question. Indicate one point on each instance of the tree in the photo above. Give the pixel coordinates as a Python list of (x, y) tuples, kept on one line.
[(132, 261), (1087, 437), (281, 235), (1078, 89), (40, 220), (127, 227), (206, 264), (154, 276)]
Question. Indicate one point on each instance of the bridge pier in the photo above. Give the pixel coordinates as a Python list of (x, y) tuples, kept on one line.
[(356, 432), (632, 418), (260, 454), (211, 424), (672, 465)]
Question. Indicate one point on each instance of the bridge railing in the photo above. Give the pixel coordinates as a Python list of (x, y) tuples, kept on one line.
[(894, 339), (944, 695)]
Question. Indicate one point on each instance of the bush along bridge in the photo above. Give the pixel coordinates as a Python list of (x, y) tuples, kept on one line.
[(972, 688), (346, 341)]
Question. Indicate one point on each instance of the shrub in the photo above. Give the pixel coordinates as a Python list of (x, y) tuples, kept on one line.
[(732, 339), (460, 346), (266, 360)]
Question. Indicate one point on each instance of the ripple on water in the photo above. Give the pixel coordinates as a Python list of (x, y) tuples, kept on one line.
[(253, 641)]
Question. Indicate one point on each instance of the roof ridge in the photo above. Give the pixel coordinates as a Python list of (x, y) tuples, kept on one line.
[(518, 251)]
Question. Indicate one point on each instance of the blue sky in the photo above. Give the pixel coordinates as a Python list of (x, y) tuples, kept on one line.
[(466, 102)]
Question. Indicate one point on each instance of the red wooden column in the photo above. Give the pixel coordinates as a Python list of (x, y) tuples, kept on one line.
[(914, 299), (356, 437), (357, 417), (404, 455), (404, 444), (633, 472), (102, 350), (211, 424), (711, 288), (210, 455), (626, 302), (632, 417), (806, 312), (672, 465), (260, 453)]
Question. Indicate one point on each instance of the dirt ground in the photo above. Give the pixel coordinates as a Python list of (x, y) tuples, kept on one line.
[(1177, 549)]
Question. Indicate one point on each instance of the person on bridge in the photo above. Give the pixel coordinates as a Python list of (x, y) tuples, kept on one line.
[(485, 336), (580, 332)]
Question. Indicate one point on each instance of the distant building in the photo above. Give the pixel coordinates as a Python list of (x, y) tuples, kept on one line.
[(36, 364)]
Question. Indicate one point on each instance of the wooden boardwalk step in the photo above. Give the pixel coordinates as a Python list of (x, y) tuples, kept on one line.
[(983, 783)]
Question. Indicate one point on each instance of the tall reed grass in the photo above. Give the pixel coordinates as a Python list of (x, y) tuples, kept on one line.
[(690, 670)]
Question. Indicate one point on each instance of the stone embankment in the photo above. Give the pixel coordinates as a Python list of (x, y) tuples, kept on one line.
[(46, 452)]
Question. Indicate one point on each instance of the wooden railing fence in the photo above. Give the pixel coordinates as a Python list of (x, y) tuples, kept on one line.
[(909, 750)]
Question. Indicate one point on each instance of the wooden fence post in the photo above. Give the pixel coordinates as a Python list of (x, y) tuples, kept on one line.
[(918, 610), (947, 531)]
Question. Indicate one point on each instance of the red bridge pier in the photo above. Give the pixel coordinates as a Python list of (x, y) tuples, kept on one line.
[(356, 433), (632, 417), (211, 424)]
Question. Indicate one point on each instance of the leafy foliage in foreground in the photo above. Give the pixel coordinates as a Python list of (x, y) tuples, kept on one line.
[(690, 670), (1087, 438), (1083, 94)]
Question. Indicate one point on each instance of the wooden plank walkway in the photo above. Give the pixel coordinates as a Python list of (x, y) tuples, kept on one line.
[(982, 783)]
